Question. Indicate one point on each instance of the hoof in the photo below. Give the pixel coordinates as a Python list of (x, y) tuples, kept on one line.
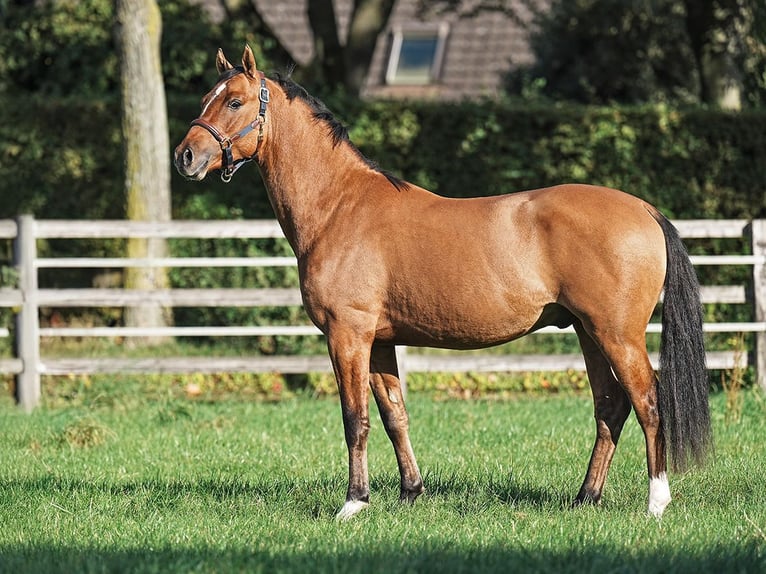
[(586, 497), (350, 509), (410, 496)]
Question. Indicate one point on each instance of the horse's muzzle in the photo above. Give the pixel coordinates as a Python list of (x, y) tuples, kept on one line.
[(189, 164)]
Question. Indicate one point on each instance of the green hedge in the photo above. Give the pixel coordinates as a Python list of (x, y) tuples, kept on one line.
[(692, 164), (63, 159)]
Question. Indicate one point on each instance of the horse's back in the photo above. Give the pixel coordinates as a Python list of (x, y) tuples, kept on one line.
[(589, 201), (572, 222), (599, 221)]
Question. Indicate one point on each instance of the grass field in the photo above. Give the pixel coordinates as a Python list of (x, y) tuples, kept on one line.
[(124, 482)]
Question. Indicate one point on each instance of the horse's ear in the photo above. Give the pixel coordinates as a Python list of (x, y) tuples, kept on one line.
[(221, 63), (248, 62)]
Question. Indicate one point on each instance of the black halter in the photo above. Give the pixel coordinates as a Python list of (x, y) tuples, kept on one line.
[(228, 164)]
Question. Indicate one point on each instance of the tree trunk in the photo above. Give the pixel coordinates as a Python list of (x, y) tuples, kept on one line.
[(328, 52), (714, 27), (367, 22), (336, 64), (147, 148)]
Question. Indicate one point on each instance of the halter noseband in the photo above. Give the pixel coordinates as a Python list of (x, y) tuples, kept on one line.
[(228, 165)]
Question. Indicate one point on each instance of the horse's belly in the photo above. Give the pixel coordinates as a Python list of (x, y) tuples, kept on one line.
[(456, 326)]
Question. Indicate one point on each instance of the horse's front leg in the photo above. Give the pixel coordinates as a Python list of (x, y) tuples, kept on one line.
[(350, 356), (387, 389)]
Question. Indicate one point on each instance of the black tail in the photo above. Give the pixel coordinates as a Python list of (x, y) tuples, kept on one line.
[(683, 387)]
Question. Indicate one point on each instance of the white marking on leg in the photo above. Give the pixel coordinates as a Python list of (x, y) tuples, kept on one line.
[(351, 508), (392, 397), (218, 90), (659, 494)]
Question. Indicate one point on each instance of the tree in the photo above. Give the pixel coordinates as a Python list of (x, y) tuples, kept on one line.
[(724, 41), (697, 51), (147, 149), (337, 63)]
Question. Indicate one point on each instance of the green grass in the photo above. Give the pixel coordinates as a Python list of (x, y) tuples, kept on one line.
[(122, 481)]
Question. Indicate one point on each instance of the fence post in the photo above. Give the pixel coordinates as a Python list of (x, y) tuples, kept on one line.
[(27, 319), (758, 239)]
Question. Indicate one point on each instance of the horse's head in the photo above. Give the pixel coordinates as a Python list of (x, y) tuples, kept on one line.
[(229, 130)]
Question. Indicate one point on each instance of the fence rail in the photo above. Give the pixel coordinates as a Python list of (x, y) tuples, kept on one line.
[(27, 299)]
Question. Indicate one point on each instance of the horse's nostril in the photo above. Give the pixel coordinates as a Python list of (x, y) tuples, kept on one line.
[(188, 156)]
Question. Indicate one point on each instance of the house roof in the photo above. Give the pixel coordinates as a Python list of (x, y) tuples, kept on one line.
[(481, 48), (482, 45)]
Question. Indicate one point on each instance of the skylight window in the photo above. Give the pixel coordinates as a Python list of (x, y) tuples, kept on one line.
[(416, 55)]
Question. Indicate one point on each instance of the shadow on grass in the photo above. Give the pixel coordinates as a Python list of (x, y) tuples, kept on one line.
[(313, 497), (507, 490), (402, 558)]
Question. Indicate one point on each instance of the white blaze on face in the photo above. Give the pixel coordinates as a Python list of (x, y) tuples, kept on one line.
[(218, 90)]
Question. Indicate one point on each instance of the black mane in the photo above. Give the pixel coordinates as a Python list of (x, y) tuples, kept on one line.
[(227, 74), (338, 132)]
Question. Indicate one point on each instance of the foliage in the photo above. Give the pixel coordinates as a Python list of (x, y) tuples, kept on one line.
[(645, 51), (58, 48), (183, 485), (75, 389), (594, 52), (58, 57), (188, 67), (66, 47), (250, 277), (692, 163), (613, 51)]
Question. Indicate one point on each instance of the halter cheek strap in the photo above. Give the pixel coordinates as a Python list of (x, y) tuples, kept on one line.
[(228, 164)]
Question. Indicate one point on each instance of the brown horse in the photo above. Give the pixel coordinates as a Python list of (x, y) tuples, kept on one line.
[(383, 262)]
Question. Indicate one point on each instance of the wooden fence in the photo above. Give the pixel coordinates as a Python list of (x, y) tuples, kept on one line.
[(26, 298)]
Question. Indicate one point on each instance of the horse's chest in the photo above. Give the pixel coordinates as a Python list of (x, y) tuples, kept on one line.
[(333, 289)]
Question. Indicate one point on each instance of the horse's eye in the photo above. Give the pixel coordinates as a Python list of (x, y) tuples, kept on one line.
[(235, 104)]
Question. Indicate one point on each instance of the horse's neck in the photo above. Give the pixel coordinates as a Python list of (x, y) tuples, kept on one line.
[(302, 177)]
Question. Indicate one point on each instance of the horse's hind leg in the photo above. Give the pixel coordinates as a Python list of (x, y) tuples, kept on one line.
[(387, 389), (611, 409), (631, 364), (640, 382)]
